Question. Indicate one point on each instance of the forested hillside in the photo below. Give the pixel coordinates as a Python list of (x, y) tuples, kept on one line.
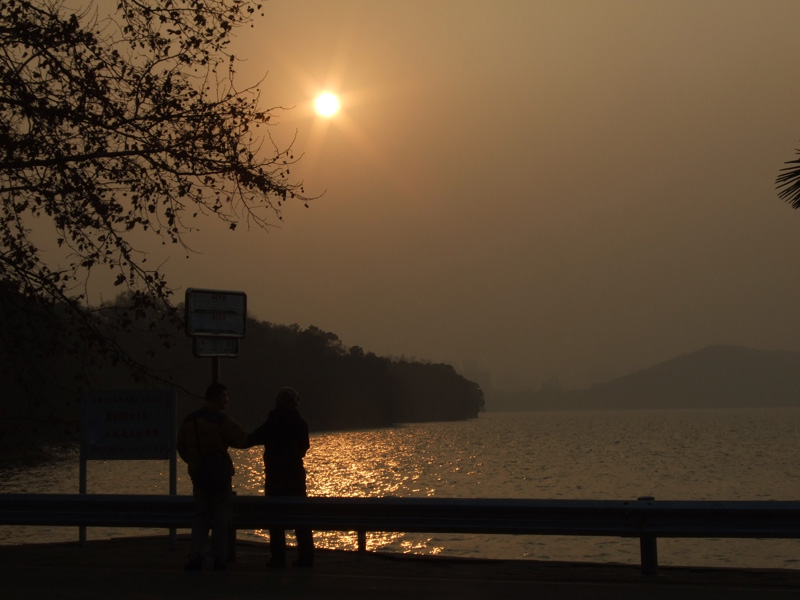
[(44, 372)]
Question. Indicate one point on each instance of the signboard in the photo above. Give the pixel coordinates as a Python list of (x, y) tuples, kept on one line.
[(216, 313), (135, 425), (129, 425), (205, 346)]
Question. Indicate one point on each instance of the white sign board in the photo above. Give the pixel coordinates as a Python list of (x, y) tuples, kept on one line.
[(216, 313), (135, 425)]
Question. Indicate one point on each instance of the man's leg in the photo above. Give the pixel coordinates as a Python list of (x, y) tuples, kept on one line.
[(221, 509), (277, 547), (201, 522)]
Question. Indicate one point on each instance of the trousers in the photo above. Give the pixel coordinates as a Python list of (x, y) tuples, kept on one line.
[(212, 510)]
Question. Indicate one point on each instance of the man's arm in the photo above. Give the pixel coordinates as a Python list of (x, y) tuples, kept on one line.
[(257, 437), (181, 443)]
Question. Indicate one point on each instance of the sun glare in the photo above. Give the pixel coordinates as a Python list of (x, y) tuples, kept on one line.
[(327, 104)]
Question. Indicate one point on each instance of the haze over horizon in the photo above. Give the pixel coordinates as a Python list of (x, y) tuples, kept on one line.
[(531, 189)]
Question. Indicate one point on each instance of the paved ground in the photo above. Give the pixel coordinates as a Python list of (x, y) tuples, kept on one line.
[(146, 568)]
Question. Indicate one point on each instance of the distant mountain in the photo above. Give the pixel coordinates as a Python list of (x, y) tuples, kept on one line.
[(715, 377)]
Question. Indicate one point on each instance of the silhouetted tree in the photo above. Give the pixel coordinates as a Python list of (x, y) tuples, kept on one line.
[(788, 182), (111, 127)]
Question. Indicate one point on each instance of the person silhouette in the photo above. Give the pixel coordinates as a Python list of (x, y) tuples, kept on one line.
[(284, 436), (203, 441)]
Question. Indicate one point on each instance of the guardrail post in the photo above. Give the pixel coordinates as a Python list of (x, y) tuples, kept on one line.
[(362, 541), (648, 547)]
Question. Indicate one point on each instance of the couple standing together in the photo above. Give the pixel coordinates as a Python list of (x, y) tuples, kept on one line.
[(203, 441)]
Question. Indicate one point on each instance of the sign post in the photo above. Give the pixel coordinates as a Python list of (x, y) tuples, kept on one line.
[(216, 319)]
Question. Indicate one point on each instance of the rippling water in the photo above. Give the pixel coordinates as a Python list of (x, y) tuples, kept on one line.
[(614, 455)]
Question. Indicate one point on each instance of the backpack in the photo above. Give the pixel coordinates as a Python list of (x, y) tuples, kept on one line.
[(214, 469)]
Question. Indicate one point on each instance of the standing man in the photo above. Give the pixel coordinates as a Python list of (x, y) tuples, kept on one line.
[(203, 441), (285, 438)]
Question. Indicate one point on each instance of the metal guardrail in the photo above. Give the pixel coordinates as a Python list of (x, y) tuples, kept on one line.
[(645, 518)]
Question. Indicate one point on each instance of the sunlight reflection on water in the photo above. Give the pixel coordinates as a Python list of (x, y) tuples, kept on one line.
[(371, 463)]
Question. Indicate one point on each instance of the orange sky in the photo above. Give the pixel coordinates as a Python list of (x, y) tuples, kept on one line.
[(530, 188)]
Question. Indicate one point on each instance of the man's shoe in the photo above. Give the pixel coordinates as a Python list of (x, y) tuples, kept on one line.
[(219, 565), (276, 564), (194, 564)]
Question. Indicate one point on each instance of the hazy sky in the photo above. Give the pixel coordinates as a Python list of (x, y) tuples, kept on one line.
[(531, 188)]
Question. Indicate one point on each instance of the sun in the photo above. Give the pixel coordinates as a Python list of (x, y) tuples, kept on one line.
[(327, 104)]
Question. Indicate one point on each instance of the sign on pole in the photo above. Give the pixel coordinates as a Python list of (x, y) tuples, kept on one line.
[(216, 313), (129, 425), (216, 319), (132, 425)]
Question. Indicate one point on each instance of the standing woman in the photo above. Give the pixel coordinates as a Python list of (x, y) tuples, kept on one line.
[(285, 438)]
